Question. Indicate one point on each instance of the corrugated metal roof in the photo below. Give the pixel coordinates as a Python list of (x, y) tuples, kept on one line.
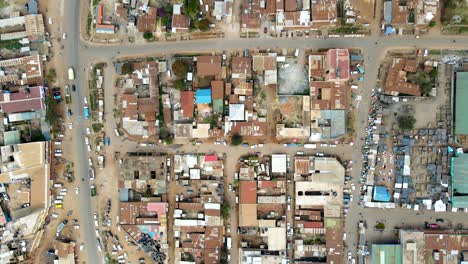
[(236, 112), (387, 254), (460, 181), (461, 107)]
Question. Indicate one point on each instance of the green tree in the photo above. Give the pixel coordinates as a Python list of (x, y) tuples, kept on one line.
[(406, 122), (192, 8), (51, 115), (36, 135), (203, 25), (169, 140), (426, 87), (433, 74), (148, 35), (224, 256), (148, 192), (51, 75), (180, 68), (167, 9), (179, 84), (225, 210), (127, 68), (432, 23), (235, 183), (380, 226), (237, 139)]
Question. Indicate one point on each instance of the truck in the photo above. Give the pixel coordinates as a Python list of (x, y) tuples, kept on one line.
[(101, 160), (71, 74), (67, 98), (86, 112), (360, 69), (93, 190), (228, 243), (60, 227), (91, 173)]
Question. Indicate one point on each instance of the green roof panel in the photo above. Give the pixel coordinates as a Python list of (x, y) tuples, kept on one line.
[(461, 107)]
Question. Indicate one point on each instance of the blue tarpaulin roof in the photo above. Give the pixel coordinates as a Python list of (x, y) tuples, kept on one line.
[(203, 96), (32, 7), (389, 30), (388, 12), (381, 194)]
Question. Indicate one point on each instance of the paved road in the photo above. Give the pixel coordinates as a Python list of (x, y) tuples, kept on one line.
[(72, 58), (80, 55)]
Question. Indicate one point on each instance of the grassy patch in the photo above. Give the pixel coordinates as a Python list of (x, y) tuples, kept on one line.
[(12, 44), (455, 12), (435, 52), (351, 118), (97, 127), (96, 2), (347, 29), (93, 101), (3, 3), (89, 22)]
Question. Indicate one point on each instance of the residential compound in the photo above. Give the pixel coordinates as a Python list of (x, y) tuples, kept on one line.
[(403, 15), (273, 223), (24, 178), (199, 196), (139, 101), (25, 154), (318, 205), (253, 94), (143, 199), (267, 17), (262, 209)]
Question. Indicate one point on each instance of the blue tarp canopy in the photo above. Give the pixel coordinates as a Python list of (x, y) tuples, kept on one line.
[(389, 30), (381, 194), (203, 96)]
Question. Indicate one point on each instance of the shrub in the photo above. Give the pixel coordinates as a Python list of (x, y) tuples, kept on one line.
[(148, 35), (179, 84), (180, 68), (127, 68), (237, 139), (203, 25), (51, 75), (406, 122)]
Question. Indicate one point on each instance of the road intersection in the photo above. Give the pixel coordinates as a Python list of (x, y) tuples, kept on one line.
[(80, 55)]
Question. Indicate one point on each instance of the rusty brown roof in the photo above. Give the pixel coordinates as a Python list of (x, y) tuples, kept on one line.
[(248, 192), (328, 95), (208, 65), (187, 103), (270, 7), (146, 22), (323, 10), (396, 82), (180, 23), (217, 89), (250, 21), (302, 165), (242, 65), (290, 5)]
